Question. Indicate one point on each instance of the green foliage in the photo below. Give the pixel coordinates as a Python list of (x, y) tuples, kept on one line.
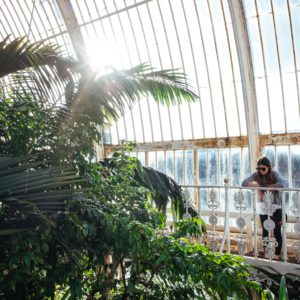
[(283, 293), (190, 227), (106, 241), (113, 227), (286, 287), (176, 269), (33, 68), (25, 126), (163, 189)]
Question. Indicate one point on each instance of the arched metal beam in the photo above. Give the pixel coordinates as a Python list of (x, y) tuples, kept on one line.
[(247, 75), (68, 14)]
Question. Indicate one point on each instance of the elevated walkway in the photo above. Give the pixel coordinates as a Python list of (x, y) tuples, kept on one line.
[(279, 267), (231, 214)]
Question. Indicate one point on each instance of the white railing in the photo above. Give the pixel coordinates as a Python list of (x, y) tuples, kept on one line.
[(246, 217)]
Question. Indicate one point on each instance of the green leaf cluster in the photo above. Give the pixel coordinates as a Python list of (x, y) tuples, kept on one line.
[(96, 236)]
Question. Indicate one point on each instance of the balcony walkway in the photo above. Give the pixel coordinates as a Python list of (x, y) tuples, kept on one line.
[(280, 267), (233, 224)]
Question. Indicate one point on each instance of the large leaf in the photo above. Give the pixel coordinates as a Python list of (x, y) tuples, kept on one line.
[(163, 188), (34, 68), (106, 97), (29, 180)]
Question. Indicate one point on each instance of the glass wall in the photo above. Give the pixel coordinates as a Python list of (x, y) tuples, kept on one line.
[(209, 167)]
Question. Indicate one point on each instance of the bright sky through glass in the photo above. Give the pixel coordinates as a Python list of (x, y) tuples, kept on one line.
[(195, 36)]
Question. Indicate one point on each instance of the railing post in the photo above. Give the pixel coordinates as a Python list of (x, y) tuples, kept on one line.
[(227, 218), (200, 239), (284, 245), (253, 196)]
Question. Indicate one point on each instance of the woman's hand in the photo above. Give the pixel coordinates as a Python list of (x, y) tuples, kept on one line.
[(260, 193)]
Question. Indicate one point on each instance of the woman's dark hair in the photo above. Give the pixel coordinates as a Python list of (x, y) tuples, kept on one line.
[(264, 161), (269, 176)]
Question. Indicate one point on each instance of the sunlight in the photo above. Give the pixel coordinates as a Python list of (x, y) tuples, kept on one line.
[(102, 57)]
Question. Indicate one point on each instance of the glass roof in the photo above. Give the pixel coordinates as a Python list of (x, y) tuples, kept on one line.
[(274, 33), (193, 35)]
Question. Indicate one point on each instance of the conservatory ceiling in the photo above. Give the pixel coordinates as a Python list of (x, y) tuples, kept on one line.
[(196, 36)]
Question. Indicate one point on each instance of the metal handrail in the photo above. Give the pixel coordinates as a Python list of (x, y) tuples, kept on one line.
[(226, 235), (241, 187)]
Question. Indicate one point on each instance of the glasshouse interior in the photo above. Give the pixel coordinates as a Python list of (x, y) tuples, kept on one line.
[(150, 149)]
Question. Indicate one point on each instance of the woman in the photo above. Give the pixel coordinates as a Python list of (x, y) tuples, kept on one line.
[(266, 177)]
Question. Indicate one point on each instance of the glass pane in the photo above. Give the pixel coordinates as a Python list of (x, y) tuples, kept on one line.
[(295, 164), (166, 130), (219, 111), (138, 129), (155, 117), (269, 152), (141, 158), (203, 199), (189, 167), (145, 116), (282, 156), (231, 110), (176, 129), (170, 163), (291, 102), (152, 159), (284, 39), (262, 106), (179, 167), (256, 47), (114, 133), (212, 166), (121, 129), (161, 161), (202, 167), (295, 16), (270, 47), (235, 166), (276, 105), (129, 125), (197, 120), (186, 121), (224, 160), (246, 166)]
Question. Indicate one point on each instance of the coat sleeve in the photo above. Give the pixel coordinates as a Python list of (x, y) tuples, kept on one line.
[(279, 180), (251, 178)]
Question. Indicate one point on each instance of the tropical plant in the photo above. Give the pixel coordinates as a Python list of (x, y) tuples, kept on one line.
[(89, 101), (164, 190), (284, 287), (152, 265), (33, 68), (111, 227), (106, 241)]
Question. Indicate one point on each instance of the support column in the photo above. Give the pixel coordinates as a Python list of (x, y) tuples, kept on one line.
[(68, 14), (247, 76)]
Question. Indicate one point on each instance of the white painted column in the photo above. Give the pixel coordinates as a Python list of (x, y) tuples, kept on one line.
[(247, 76)]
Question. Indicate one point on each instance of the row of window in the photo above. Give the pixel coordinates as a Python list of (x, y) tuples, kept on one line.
[(214, 165)]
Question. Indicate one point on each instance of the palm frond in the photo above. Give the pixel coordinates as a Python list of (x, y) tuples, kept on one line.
[(164, 189), (265, 274), (107, 96), (29, 181), (33, 66)]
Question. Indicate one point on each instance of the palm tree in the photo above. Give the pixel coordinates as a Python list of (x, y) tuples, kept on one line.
[(80, 96), (42, 65), (32, 192), (35, 187), (87, 102)]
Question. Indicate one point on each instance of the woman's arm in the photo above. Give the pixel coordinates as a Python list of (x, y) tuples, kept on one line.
[(250, 181), (280, 182)]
